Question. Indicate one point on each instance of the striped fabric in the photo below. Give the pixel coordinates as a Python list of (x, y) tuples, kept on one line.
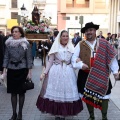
[(98, 79)]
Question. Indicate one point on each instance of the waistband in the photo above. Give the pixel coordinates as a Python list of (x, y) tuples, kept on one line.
[(16, 63), (62, 62)]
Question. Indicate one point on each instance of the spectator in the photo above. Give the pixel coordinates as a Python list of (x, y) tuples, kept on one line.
[(1, 54), (108, 36), (100, 35), (54, 36), (18, 62), (76, 39)]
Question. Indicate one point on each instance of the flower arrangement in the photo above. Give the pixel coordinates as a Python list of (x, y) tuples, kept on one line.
[(42, 27)]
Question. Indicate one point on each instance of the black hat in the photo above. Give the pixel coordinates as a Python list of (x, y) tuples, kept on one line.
[(89, 25)]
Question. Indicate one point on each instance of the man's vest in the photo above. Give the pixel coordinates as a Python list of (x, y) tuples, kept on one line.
[(85, 54)]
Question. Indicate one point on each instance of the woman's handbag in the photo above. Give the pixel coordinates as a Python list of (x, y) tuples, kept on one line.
[(28, 85)]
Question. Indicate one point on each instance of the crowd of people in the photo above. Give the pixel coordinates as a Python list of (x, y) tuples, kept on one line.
[(62, 90)]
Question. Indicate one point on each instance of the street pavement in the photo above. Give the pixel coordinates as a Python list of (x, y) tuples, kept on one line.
[(30, 111)]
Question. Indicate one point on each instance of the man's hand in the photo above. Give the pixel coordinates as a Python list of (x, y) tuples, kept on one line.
[(78, 60), (116, 76), (85, 67)]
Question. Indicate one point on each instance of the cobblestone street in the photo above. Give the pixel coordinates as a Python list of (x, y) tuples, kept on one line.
[(30, 111)]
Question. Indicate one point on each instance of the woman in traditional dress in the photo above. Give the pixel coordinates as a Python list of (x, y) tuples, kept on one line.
[(59, 94)]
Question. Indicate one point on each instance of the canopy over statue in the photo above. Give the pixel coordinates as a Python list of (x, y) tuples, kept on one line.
[(36, 15)]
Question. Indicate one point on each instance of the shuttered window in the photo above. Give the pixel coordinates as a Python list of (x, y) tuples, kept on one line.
[(14, 15), (77, 3), (13, 3)]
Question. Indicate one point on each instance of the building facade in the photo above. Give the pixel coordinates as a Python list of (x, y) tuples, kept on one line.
[(10, 9), (102, 12), (65, 13), (114, 23)]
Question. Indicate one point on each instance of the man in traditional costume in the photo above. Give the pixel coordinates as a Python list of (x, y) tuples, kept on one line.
[(97, 60)]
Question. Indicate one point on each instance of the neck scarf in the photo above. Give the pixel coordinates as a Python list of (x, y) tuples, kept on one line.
[(15, 43)]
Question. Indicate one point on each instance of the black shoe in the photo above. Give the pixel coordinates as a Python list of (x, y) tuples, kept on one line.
[(57, 118), (62, 118), (19, 117), (14, 117), (91, 119)]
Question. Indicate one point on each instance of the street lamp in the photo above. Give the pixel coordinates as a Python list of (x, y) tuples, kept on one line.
[(24, 15), (81, 22)]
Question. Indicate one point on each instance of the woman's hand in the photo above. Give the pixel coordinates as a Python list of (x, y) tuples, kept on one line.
[(42, 76), (29, 76), (4, 73), (117, 76)]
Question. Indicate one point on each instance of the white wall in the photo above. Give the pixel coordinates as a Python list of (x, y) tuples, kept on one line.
[(51, 1), (51, 10), (100, 19)]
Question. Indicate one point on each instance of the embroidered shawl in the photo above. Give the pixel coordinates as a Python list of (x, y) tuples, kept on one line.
[(98, 79)]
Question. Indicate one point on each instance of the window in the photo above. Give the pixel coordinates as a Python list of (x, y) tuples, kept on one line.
[(69, 3), (77, 3), (14, 15), (100, 4), (81, 3), (66, 18), (76, 17), (13, 3)]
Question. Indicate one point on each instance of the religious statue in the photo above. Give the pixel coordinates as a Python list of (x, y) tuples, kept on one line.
[(36, 15)]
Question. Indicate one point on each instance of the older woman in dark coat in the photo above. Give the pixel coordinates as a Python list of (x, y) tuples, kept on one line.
[(18, 62), (1, 53)]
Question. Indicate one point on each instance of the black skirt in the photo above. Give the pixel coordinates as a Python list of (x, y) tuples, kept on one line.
[(15, 80), (81, 81)]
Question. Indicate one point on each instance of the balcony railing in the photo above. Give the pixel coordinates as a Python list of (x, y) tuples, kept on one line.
[(39, 2)]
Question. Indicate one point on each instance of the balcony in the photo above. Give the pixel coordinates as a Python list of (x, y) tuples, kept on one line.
[(39, 2)]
